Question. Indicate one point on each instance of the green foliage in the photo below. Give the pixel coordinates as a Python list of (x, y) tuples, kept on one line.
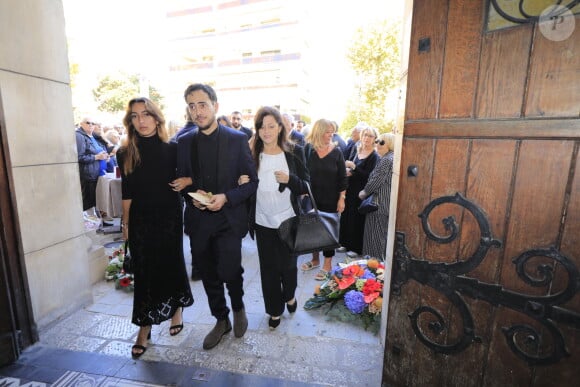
[(115, 91), (375, 57)]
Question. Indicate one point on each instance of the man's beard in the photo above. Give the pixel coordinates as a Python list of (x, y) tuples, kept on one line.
[(204, 128)]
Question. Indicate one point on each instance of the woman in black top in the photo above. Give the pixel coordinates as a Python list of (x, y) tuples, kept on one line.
[(152, 221), (328, 176), (352, 223)]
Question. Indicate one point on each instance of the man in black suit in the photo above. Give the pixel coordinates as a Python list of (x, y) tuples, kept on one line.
[(295, 136), (215, 156), (236, 119)]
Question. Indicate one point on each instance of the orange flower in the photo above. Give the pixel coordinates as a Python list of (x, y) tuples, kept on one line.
[(378, 302), (371, 297), (353, 270), (373, 263), (345, 282)]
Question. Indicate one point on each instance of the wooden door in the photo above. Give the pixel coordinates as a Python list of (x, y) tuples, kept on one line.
[(485, 284), (17, 328)]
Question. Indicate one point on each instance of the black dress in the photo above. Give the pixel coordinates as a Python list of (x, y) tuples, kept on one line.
[(352, 223), (327, 179), (155, 233)]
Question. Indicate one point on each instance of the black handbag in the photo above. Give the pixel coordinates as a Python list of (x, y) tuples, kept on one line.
[(128, 261), (312, 231), (368, 205)]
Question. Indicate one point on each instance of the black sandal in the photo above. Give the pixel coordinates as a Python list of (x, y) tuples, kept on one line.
[(178, 328), (142, 348)]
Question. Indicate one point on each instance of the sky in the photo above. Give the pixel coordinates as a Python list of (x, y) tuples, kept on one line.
[(107, 36)]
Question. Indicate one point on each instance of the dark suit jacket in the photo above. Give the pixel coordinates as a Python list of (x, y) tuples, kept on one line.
[(248, 131), (299, 176), (297, 137), (234, 160)]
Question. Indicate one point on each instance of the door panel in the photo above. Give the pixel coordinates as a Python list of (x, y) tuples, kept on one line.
[(555, 70), (486, 262), (503, 70)]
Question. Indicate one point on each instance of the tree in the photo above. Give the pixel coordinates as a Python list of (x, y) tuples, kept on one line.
[(115, 91), (375, 58)]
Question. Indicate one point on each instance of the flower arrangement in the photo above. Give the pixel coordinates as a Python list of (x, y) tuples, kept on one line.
[(114, 271), (356, 286)]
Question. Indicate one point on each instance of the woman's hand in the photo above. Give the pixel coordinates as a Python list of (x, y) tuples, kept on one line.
[(350, 164), (340, 205), (243, 179), (282, 177), (180, 183), (362, 195)]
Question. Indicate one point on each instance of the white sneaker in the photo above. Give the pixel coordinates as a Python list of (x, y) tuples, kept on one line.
[(341, 249)]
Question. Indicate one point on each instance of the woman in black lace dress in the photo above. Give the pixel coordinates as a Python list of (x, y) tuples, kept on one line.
[(152, 221)]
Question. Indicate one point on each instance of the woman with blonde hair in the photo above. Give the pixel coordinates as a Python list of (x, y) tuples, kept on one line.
[(379, 185), (352, 223), (152, 221), (328, 176)]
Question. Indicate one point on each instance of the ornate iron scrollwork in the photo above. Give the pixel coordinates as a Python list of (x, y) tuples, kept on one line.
[(525, 16), (449, 279)]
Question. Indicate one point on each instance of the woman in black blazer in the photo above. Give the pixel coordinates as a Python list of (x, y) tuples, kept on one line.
[(282, 176)]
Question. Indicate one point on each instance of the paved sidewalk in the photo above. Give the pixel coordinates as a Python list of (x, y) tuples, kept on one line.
[(308, 347)]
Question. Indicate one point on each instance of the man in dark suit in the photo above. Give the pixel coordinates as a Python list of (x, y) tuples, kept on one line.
[(236, 119), (295, 136), (215, 156)]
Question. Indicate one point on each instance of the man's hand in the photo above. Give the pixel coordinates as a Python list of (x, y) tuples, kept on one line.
[(217, 202)]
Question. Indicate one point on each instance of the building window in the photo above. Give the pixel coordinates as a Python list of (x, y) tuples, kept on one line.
[(270, 52)]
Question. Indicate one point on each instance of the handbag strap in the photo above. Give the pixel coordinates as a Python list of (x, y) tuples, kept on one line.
[(314, 206)]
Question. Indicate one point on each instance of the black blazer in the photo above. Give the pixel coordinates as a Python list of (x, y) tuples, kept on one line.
[(234, 160), (298, 177)]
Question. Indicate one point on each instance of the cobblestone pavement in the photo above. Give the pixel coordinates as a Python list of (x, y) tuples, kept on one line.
[(308, 348)]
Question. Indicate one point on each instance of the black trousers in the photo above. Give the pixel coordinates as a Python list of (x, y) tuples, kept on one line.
[(89, 192), (217, 251), (278, 270)]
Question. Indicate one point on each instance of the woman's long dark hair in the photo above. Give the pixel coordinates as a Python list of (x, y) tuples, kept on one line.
[(258, 145)]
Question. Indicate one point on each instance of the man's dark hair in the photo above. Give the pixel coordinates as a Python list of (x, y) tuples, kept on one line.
[(205, 88)]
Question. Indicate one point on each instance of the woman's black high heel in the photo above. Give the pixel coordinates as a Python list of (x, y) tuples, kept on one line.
[(142, 348), (273, 323), (176, 329)]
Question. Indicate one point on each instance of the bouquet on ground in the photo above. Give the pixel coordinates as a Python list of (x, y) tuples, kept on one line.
[(114, 271), (357, 285)]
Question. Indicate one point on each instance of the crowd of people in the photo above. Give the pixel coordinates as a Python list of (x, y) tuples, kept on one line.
[(216, 180)]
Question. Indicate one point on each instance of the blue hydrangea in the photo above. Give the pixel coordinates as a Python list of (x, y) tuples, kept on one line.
[(354, 301), (368, 274)]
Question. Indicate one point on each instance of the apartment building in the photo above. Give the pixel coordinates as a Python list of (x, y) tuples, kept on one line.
[(253, 52)]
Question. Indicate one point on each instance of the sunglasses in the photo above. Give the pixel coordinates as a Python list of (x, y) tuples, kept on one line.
[(380, 142), (90, 123)]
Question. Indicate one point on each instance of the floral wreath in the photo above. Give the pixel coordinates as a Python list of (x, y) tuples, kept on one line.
[(115, 272), (359, 287)]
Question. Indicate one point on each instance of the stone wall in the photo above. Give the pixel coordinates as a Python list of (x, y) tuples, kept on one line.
[(38, 123)]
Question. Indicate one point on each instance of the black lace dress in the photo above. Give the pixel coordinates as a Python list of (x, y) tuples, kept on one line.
[(155, 234)]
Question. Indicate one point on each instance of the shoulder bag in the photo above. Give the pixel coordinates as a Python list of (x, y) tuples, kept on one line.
[(368, 205), (312, 231)]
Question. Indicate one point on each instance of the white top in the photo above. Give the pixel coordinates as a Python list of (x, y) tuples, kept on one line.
[(272, 206)]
